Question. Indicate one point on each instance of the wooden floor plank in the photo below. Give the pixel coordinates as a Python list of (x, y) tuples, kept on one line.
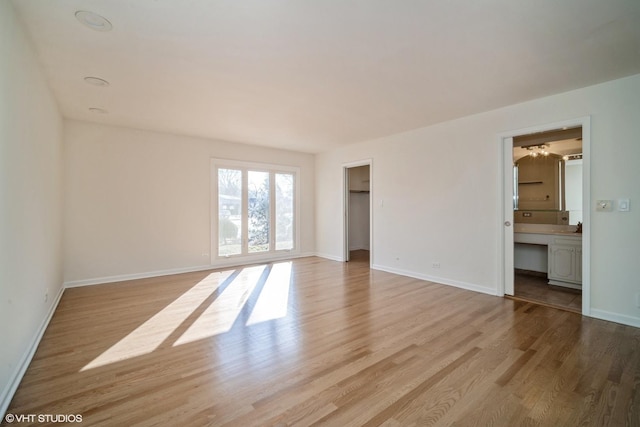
[(343, 345)]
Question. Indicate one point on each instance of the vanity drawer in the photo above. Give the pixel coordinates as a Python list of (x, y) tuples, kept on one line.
[(566, 240)]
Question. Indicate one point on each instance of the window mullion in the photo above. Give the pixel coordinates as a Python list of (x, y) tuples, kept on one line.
[(245, 212), (272, 211), (294, 208)]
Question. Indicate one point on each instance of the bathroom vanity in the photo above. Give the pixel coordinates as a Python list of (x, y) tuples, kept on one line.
[(563, 247)]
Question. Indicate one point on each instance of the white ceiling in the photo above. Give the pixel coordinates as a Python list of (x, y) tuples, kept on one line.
[(311, 75)]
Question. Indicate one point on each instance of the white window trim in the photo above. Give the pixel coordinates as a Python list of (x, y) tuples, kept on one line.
[(213, 221)]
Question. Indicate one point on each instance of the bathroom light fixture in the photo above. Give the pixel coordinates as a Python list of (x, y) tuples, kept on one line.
[(537, 150), (96, 81), (93, 20), (98, 110)]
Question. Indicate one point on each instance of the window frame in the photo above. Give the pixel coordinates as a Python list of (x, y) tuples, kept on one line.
[(245, 167)]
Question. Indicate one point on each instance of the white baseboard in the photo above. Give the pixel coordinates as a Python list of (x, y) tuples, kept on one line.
[(615, 317), (134, 276), (329, 257), (233, 262), (25, 360), (439, 280)]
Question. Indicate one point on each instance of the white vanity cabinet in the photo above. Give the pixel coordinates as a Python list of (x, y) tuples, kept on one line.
[(565, 262)]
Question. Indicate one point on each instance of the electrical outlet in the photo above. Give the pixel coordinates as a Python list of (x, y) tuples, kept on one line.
[(46, 296), (435, 265)]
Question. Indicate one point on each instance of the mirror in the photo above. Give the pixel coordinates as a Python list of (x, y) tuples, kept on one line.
[(548, 177)]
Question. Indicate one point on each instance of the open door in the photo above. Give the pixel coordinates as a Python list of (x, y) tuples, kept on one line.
[(509, 200), (346, 214), (357, 210)]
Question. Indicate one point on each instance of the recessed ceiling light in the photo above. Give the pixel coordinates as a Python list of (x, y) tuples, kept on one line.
[(93, 20), (96, 81), (98, 110)]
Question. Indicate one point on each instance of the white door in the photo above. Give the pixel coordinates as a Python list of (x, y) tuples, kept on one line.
[(346, 213), (507, 217)]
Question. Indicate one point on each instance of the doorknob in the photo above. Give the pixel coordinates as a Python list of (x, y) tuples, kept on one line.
[(507, 223)]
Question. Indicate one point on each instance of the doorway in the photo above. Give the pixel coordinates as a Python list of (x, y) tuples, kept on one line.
[(357, 212), (543, 256)]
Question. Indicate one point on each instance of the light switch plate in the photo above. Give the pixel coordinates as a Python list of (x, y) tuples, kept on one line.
[(623, 205), (604, 205)]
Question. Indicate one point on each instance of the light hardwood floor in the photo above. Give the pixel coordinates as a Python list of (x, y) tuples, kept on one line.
[(341, 346), (536, 289)]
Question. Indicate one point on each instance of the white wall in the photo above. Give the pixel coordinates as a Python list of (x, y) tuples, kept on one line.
[(441, 193), (30, 201), (531, 257), (359, 221), (138, 202)]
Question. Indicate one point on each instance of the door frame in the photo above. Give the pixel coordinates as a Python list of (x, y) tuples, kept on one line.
[(345, 206), (506, 262)]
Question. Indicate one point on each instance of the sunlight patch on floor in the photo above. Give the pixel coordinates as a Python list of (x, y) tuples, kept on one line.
[(220, 316), (148, 336), (274, 298)]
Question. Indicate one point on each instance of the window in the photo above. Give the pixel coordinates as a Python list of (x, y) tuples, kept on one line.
[(254, 208)]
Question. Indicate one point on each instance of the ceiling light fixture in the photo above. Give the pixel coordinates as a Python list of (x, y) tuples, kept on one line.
[(93, 20), (96, 81), (537, 150), (98, 110)]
